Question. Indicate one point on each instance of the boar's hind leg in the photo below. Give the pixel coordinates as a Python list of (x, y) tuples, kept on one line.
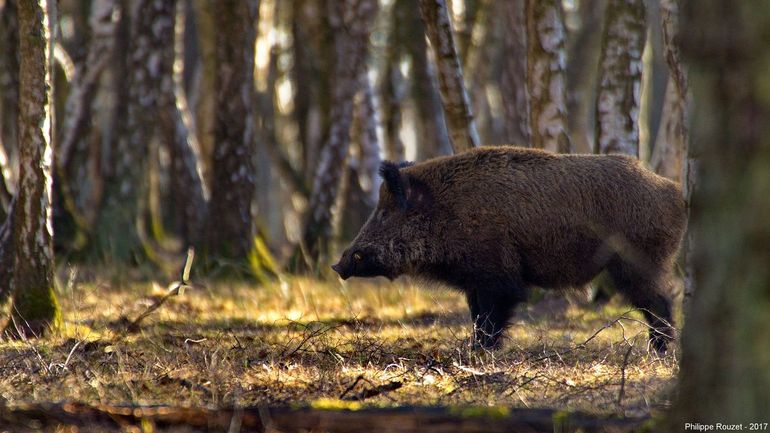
[(491, 311), (649, 291)]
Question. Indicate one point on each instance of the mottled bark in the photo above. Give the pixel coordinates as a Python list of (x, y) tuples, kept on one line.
[(178, 130), (582, 58), (360, 186), (725, 367), (35, 307), (368, 146), (351, 22), (671, 144), (432, 133), (151, 29), (86, 82), (677, 129), (230, 230), (668, 155), (513, 82), (457, 107), (546, 39), (79, 185), (620, 74)]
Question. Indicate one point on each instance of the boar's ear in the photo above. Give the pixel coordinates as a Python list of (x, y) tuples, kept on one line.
[(395, 181)]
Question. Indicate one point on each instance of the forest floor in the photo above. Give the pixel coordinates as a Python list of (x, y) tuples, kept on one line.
[(333, 344)]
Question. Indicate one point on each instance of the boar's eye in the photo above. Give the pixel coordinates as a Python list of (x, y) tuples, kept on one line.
[(357, 256)]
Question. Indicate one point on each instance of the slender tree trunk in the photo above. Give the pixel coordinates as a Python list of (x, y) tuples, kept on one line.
[(79, 185), (513, 83), (457, 107), (205, 107), (432, 133), (725, 368), (677, 130), (350, 52), (302, 74), (35, 307), (392, 81), (546, 70), (230, 230), (363, 181), (86, 82), (190, 191), (620, 74), (583, 56), (671, 145), (151, 29)]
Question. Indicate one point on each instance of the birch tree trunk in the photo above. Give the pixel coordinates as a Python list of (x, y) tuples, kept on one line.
[(513, 83), (205, 108), (351, 22), (725, 367), (178, 130), (582, 59), (454, 96), (79, 184), (679, 156), (671, 144), (99, 51), (432, 133), (546, 70), (35, 307), (620, 74), (392, 81), (230, 230), (151, 29)]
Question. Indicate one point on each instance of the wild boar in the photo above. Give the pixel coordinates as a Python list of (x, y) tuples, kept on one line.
[(496, 221)]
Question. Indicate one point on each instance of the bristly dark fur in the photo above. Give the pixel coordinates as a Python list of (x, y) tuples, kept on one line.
[(496, 221), (391, 174)]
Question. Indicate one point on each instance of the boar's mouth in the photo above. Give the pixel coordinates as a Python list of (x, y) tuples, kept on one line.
[(341, 271), (358, 264)]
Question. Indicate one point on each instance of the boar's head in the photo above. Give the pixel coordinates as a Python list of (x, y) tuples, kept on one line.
[(393, 241)]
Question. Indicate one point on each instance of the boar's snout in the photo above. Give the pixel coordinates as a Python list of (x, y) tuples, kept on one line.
[(344, 267), (340, 269)]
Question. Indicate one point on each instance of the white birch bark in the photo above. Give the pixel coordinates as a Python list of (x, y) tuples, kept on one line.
[(35, 307), (454, 96), (350, 50), (546, 75), (620, 73)]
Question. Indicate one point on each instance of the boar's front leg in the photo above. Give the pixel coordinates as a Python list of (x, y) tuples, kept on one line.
[(491, 311)]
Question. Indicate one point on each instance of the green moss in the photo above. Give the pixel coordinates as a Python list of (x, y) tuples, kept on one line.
[(36, 309), (335, 404), (261, 262)]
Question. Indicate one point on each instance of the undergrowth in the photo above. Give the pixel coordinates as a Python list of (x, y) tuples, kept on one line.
[(305, 342)]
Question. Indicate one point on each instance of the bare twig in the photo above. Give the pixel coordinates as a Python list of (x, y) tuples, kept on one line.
[(174, 289), (622, 391), (369, 392)]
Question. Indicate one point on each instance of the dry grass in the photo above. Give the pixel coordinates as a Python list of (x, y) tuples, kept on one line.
[(303, 341)]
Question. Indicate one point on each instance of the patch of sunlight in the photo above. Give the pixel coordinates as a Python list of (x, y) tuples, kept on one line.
[(335, 404)]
